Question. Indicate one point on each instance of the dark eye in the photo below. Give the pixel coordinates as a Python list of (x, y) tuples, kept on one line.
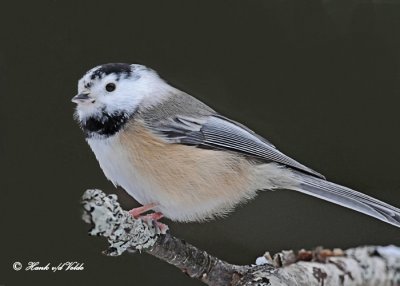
[(110, 87)]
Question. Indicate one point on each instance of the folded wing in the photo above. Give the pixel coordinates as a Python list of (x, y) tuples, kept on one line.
[(218, 132)]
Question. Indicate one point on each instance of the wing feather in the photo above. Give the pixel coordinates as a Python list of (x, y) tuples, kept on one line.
[(219, 132)]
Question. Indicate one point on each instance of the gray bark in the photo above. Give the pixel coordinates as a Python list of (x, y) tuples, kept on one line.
[(367, 265)]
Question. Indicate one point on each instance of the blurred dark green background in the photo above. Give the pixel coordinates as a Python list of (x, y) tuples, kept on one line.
[(320, 79)]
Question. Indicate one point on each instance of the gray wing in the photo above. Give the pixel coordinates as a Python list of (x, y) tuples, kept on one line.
[(218, 132)]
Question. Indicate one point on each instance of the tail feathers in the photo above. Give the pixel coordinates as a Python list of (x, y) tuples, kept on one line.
[(348, 198)]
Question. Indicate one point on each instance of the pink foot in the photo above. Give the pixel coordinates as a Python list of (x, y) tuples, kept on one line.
[(137, 212), (162, 227), (153, 218)]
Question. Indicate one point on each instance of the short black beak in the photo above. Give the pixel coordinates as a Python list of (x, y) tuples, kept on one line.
[(82, 97)]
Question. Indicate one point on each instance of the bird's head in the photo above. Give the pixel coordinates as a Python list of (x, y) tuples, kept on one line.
[(117, 89)]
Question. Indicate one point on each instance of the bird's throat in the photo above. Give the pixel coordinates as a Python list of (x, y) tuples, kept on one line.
[(105, 125)]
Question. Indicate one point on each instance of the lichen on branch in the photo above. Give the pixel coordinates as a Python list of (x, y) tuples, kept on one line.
[(368, 265), (108, 219)]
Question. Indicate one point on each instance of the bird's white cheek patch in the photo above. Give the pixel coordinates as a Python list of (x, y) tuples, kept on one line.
[(87, 110)]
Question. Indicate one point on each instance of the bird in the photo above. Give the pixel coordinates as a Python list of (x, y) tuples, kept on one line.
[(183, 160)]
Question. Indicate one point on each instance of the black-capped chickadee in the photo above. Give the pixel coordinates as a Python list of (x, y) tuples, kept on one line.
[(177, 156)]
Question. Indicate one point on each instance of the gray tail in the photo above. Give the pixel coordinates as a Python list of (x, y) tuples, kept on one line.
[(348, 198)]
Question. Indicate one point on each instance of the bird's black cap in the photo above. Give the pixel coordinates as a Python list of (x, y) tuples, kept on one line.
[(114, 68)]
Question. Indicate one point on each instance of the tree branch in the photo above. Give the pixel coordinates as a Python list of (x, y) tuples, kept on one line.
[(369, 265)]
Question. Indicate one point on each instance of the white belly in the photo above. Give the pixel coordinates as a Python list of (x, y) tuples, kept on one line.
[(185, 183), (180, 199), (115, 163)]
